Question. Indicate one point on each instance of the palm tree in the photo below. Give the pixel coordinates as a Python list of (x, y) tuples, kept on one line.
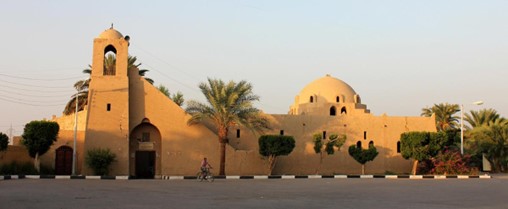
[(492, 139), (445, 115), (481, 117), (131, 62), (177, 97), (82, 88), (82, 85), (228, 104), (164, 90)]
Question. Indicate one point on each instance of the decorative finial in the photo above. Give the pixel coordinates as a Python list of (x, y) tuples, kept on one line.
[(111, 26)]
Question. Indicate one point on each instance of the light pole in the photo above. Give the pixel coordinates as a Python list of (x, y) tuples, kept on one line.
[(76, 128), (75, 136), (462, 125)]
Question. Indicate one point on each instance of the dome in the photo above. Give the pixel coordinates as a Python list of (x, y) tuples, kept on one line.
[(110, 34), (327, 88)]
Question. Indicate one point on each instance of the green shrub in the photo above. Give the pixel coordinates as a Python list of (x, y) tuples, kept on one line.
[(99, 160)]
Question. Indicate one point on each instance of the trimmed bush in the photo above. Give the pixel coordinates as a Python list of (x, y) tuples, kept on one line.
[(272, 146), (99, 160), (363, 156)]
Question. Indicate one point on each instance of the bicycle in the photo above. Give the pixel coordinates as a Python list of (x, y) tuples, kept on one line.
[(205, 175)]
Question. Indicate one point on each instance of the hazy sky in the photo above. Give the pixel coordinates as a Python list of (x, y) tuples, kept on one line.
[(400, 56)]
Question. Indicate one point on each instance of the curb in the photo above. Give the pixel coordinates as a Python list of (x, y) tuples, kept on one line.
[(10, 177), (338, 177), (283, 177)]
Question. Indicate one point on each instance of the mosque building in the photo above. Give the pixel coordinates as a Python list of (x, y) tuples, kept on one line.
[(150, 136)]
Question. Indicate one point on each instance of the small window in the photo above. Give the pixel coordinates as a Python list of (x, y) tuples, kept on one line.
[(343, 110), (337, 99), (311, 99), (357, 99), (145, 137), (359, 144), (371, 144), (237, 133), (282, 132), (365, 135), (333, 111), (108, 107), (324, 134), (398, 147)]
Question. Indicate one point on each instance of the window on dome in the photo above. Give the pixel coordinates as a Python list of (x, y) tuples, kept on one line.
[(311, 99), (357, 99), (337, 99)]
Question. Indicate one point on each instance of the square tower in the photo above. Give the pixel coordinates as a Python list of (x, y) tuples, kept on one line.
[(107, 125)]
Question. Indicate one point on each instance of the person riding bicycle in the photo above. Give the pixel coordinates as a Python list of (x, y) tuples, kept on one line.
[(204, 167)]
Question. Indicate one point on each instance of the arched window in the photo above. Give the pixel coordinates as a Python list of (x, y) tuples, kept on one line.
[(398, 147), (371, 144), (359, 144), (333, 111), (343, 110), (337, 99), (311, 99), (109, 60)]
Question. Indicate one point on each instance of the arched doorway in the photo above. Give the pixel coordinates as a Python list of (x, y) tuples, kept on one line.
[(144, 151), (63, 160)]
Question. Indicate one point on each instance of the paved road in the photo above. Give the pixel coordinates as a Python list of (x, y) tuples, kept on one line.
[(294, 193)]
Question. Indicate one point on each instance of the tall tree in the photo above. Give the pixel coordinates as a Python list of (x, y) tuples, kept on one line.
[(38, 136), (322, 145), (481, 117), (227, 104), (421, 146), (82, 85), (177, 97), (82, 94), (164, 90), (445, 115), (492, 140)]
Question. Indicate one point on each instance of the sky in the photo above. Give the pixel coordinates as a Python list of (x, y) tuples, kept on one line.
[(399, 56)]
